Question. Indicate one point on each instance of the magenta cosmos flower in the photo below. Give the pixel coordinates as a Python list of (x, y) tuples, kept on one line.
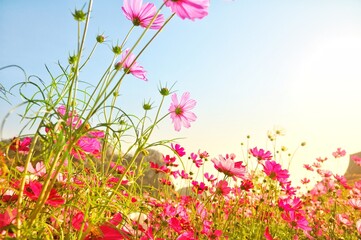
[(190, 9), (275, 171), (229, 167), (142, 14), (131, 66), (180, 111)]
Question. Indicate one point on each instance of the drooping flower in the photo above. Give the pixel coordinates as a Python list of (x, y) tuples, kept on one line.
[(142, 14), (190, 9), (229, 167), (180, 112), (128, 63)]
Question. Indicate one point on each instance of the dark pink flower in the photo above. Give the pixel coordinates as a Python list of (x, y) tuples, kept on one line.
[(275, 171), (229, 167), (190, 9), (180, 112), (169, 161), (339, 153), (142, 14), (267, 234), (261, 154), (222, 187), (131, 66), (290, 204), (33, 190), (197, 162), (178, 149), (7, 217), (246, 185), (21, 145), (199, 188), (78, 220)]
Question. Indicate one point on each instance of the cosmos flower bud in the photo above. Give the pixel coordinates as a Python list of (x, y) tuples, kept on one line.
[(117, 50), (164, 91), (100, 38), (79, 15)]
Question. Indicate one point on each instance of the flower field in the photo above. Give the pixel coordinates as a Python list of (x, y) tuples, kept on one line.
[(76, 177)]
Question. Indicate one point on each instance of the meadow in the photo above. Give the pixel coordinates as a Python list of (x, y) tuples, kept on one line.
[(81, 173)]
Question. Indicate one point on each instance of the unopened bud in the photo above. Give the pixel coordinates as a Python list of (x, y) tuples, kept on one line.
[(79, 15), (100, 38), (164, 91), (117, 50)]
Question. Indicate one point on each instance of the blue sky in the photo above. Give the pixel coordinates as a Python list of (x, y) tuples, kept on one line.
[(251, 66)]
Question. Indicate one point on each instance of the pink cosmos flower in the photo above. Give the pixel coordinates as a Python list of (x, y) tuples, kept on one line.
[(339, 153), (261, 154), (296, 220), (210, 177), (267, 234), (78, 220), (343, 218), (131, 66), (178, 149), (197, 162), (222, 187), (356, 159), (305, 180), (86, 145), (142, 14), (229, 167), (33, 190), (6, 219), (190, 9), (275, 171), (21, 146), (355, 203), (180, 112), (39, 169), (199, 188), (308, 167), (73, 118), (246, 185)]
